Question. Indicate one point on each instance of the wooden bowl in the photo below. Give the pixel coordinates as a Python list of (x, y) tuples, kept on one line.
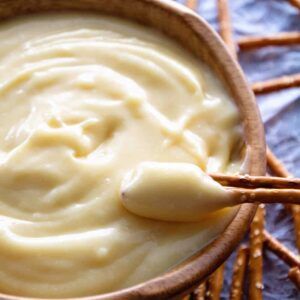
[(196, 36)]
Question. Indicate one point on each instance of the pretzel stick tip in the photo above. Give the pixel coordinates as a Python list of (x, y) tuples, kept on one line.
[(280, 39), (215, 284), (192, 4), (276, 84), (295, 3), (239, 271), (294, 276), (255, 254), (225, 26)]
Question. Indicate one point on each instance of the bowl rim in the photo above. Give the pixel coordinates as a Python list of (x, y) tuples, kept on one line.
[(192, 271)]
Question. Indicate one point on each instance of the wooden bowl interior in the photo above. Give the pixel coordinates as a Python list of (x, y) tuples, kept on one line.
[(195, 35)]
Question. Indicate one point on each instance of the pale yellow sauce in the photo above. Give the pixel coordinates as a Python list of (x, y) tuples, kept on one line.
[(177, 192), (83, 100)]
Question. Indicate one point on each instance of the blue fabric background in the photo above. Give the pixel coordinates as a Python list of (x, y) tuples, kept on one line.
[(280, 112)]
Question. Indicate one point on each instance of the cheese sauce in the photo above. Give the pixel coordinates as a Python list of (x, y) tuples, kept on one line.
[(83, 100)]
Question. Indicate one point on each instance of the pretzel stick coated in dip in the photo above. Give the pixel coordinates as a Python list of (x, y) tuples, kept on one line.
[(280, 39), (276, 84), (182, 192), (239, 271)]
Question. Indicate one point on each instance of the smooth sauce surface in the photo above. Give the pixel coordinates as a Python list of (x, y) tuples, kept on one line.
[(176, 192), (84, 99)]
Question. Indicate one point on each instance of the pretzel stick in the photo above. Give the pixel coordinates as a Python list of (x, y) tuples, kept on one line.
[(255, 254), (239, 271), (255, 189), (254, 182), (280, 39), (278, 169), (276, 84), (261, 195), (280, 250), (192, 4), (225, 26), (294, 276), (215, 284), (295, 210), (200, 292), (295, 3), (276, 166)]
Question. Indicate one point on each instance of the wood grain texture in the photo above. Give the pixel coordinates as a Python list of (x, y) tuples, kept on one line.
[(193, 33)]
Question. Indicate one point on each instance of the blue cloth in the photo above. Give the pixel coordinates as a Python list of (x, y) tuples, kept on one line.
[(280, 112)]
